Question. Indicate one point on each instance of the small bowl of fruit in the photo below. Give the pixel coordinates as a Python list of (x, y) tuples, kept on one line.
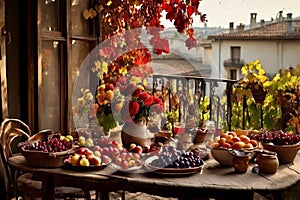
[(286, 145), (228, 141), (47, 149)]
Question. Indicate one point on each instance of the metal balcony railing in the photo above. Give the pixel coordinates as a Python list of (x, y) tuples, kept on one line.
[(191, 90)]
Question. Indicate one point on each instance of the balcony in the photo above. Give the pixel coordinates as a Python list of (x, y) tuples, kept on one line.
[(234, 62)]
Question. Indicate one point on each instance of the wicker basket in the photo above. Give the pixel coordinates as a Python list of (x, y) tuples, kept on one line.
[(44, 159)]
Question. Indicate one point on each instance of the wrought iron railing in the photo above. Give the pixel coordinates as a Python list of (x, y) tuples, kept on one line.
[(191, 90)]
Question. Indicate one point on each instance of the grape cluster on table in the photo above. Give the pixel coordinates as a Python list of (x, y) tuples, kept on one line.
[(172, 158), (53, 144), (277, 137)]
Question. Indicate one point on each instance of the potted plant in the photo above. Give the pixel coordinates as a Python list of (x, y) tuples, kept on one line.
[(285, 88), (124, 52), (255, 80)]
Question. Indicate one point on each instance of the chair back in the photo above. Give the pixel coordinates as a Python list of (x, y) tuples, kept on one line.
[(12, 132)]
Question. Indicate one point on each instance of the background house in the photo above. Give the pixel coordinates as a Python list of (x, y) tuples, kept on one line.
[(275, 43)]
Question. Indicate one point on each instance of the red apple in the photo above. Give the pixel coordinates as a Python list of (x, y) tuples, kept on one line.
[(94, 160), (226, 145), (232, 133), (235, 139), (138, 149), (253, 142)]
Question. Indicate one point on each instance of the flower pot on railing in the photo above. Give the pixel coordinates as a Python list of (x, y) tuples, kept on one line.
[(258, 93)]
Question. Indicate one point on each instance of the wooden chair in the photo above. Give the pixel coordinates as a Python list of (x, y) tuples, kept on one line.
[(26, 184)]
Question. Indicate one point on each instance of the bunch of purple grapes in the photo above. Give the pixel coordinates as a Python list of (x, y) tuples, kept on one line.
[(50, 145), (172, 158), (277, 137)]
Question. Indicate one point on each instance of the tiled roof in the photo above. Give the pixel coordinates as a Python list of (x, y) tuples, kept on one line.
[(275, 30)]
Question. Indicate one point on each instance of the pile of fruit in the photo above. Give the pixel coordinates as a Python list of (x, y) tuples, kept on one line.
[(277, 137), (230, 140), (85, 157), (56, 143), (170, 157)]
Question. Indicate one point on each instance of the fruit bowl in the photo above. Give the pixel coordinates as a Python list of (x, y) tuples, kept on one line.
[(223, 156), (37, 152), (285, 153)]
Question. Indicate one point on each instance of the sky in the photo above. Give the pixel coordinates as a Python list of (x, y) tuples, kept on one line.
[(222, 12)]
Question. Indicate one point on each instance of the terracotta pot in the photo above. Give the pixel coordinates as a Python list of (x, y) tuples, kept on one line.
[(285, 153), (267, 163)]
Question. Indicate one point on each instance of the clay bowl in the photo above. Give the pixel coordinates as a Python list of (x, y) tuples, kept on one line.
[(285, 153), (223, 156)]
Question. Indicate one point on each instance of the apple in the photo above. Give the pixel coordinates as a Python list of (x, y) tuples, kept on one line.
[(245, 139), (253, 142), (82, 143), (87, 153), (235, 139), (232, 133), (75, 159), (248, 146), (238, 145), (84, 162), (146, 149), (222, 141), (223, 135), (94, 160), (97, 153), (226, 145), (80, 150), (96, 148), (216, 145), (138, 149), (229, 138), (131, 146)]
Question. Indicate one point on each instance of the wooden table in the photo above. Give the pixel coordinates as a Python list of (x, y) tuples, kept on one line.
[(215, 181)]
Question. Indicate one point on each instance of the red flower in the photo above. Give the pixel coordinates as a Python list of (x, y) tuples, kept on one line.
[(143, 96), (148, 101), (156, 100), (137, 92), (133, 108)]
